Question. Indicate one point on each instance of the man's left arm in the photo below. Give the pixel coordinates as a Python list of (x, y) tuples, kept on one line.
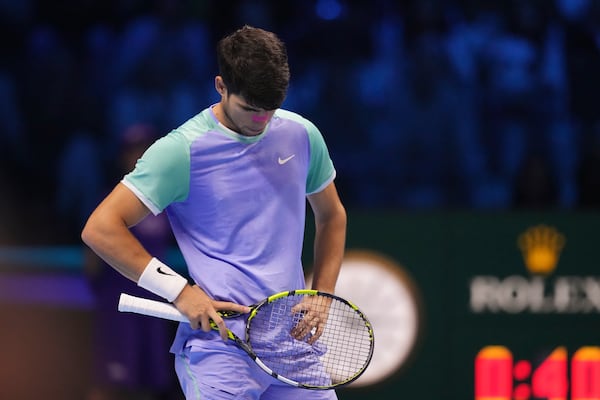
[(330, 237)]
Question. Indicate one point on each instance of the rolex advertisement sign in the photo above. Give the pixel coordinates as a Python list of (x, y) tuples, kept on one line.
[(528, 317), (508, 304), (541, 289)]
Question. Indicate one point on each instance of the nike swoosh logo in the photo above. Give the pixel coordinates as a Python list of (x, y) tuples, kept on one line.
[(282, 161), (160, 271)]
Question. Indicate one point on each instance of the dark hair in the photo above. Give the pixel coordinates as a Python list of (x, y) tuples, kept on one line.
[(254, 65)]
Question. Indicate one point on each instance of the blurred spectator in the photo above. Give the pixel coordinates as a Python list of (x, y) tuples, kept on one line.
[(125, 367), (588, 175), (427, 127), (582, 48), (535, 184), (80, 182), (11, 123), (51, 96)]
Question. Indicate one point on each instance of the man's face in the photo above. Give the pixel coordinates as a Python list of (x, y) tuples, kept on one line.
[(240, 116)]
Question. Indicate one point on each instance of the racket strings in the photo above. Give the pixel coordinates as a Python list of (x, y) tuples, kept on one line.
[(349, 340), (339, 355)]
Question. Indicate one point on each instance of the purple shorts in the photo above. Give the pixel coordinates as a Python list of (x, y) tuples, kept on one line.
[(227, 373)]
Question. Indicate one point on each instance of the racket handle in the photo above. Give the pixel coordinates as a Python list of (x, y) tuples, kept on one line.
[(138, 305)]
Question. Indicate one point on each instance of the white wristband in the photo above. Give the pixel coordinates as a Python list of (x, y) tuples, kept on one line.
[(162, 280)]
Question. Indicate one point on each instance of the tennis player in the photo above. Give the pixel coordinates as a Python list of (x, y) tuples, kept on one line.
[(234, 181)]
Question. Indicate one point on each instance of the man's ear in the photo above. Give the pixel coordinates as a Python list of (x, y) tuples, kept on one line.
[(220, 85)]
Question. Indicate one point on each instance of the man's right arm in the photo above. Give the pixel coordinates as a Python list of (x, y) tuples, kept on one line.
[(107, 233)]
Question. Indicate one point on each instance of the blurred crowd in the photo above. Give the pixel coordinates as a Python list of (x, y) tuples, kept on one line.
[(425, 104)]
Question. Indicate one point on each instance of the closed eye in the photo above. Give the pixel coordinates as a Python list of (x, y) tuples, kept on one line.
[(250, 109)]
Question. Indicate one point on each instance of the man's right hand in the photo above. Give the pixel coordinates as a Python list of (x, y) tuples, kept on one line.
[(200, 309)]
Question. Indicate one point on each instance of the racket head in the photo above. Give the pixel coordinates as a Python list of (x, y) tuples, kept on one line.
[(334, 354)]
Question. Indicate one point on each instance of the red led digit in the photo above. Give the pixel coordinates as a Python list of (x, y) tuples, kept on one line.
[(585, 374), (549, 380), (493, 373)]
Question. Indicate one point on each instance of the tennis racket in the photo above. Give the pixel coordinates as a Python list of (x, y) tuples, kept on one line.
[(305, 338)]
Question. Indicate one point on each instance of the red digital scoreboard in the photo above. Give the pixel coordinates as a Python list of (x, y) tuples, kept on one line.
[(558, 376)]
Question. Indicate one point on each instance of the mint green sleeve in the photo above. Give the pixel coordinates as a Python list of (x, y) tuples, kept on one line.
[(321, 171), (162, 175)]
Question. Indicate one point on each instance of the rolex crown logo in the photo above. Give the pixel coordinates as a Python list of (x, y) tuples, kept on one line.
[(541, 246)]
